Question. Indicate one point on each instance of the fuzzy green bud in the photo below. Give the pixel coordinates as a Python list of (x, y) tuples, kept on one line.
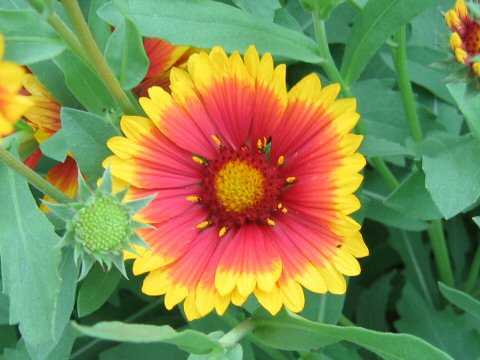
[(322, 8), (103, 225)]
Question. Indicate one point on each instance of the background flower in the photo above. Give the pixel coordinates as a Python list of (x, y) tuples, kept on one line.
[(254, 185), (163, 56), (465, 39), (12, 104)]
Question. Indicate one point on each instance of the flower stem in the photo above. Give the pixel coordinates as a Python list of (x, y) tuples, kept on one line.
[(63, 30), (474, 271), (238, 333), (33, 178), (95, 56), (435, 231), (334, 75), (439, 245), (403, 78), (272, 353)]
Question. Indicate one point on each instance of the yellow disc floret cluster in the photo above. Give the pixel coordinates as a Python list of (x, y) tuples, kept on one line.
[(239, 185)]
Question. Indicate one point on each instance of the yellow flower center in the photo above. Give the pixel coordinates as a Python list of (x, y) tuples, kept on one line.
[(239, 185)]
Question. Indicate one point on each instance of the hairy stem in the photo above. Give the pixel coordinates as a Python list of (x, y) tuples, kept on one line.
[(33, 178), (63, 30), (435, 231), (95, 57)]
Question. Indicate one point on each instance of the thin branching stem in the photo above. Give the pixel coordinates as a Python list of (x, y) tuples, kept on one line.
[(96, 58)]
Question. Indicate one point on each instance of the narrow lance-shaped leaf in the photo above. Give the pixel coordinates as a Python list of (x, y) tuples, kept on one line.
[(292, 332), (377, 21), (461, 299), (188, 340)]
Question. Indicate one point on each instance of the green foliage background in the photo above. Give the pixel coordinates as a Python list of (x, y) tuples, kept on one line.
[(399, 307)]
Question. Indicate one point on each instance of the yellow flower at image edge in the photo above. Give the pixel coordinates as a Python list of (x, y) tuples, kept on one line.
[(254, 185), (12, 105), (465, 39)]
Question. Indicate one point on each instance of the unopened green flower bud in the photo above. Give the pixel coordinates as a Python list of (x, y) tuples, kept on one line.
[(321, 8), (103, 225)]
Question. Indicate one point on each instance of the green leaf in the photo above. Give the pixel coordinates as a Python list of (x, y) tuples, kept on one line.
[(55, 147), (8, 336), (376, 22), (100, 29), (188, 340), (30, 263), (461, 299), (450, 177), (444, 329), (371, 311), (28, 39), (375, 147), (51, 76), (207, 23), (263, 8), (324, 308), (128, 351), (87, 136), (416, 257), (291, 332), (126, 56), (96, 289), (476, 220), (4, 306), (377, 211), (411, 198), (384, 119), (469, 105), (84, 84)]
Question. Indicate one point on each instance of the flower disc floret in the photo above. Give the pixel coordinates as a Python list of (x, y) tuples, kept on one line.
[(103, 225)]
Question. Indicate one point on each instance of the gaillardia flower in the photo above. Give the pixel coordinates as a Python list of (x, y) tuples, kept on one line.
[(44, 118), (99, 225), (465, 39), (163, 56), (12, 104), (254, 185)]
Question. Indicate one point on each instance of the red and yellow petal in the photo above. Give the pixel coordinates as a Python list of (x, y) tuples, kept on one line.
[(64, 176), (44, 115), (163, 57), (12, 104), (225, 102), (147, 159)]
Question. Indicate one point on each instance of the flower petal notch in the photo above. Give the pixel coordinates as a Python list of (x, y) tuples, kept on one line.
[(465, 38), (99, 225), (254, 185)]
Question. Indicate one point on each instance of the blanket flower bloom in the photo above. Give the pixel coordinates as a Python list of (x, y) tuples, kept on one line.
[(163, 56), (465, 38), (44, 118), (12, 103), (254, 185)]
